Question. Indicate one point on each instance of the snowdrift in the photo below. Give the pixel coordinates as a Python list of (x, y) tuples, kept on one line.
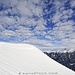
[(18, 59)]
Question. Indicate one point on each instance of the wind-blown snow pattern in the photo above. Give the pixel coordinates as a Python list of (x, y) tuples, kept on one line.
[(25, 59), (43, 23)]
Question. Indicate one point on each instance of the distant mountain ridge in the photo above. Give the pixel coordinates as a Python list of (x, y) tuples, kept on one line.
[(65, 58), (60, 50)]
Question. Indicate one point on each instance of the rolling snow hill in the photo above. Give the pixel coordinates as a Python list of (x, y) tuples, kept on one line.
[(18, 59)]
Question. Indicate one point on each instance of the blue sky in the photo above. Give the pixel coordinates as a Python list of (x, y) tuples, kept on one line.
[(43, 23)]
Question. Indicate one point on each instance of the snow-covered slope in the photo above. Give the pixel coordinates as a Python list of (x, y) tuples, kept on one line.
[(25, 58)]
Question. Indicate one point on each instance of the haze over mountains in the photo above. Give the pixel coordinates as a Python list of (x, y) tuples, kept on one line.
[(61, 50)]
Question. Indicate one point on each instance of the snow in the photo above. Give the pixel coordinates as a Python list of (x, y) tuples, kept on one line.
[(25, 58), (60, 50)]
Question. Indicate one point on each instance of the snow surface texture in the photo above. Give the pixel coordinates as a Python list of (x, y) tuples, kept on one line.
[(25, 58)]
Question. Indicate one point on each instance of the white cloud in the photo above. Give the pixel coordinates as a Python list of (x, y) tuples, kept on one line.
[(68, 12), (48, 37), (7, 20), (1, 28), (72, 3), (24, 32), (56, 17), (40, 43), (23, 8), (64, 31), (34, 1), (21, 22), (23, 11), (68, 43), (8, 33)]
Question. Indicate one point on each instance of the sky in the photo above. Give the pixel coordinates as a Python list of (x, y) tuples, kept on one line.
[(43, 23)]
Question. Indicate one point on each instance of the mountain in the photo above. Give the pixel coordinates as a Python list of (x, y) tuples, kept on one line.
[(60, 50), (65, 58), (19, 59)]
